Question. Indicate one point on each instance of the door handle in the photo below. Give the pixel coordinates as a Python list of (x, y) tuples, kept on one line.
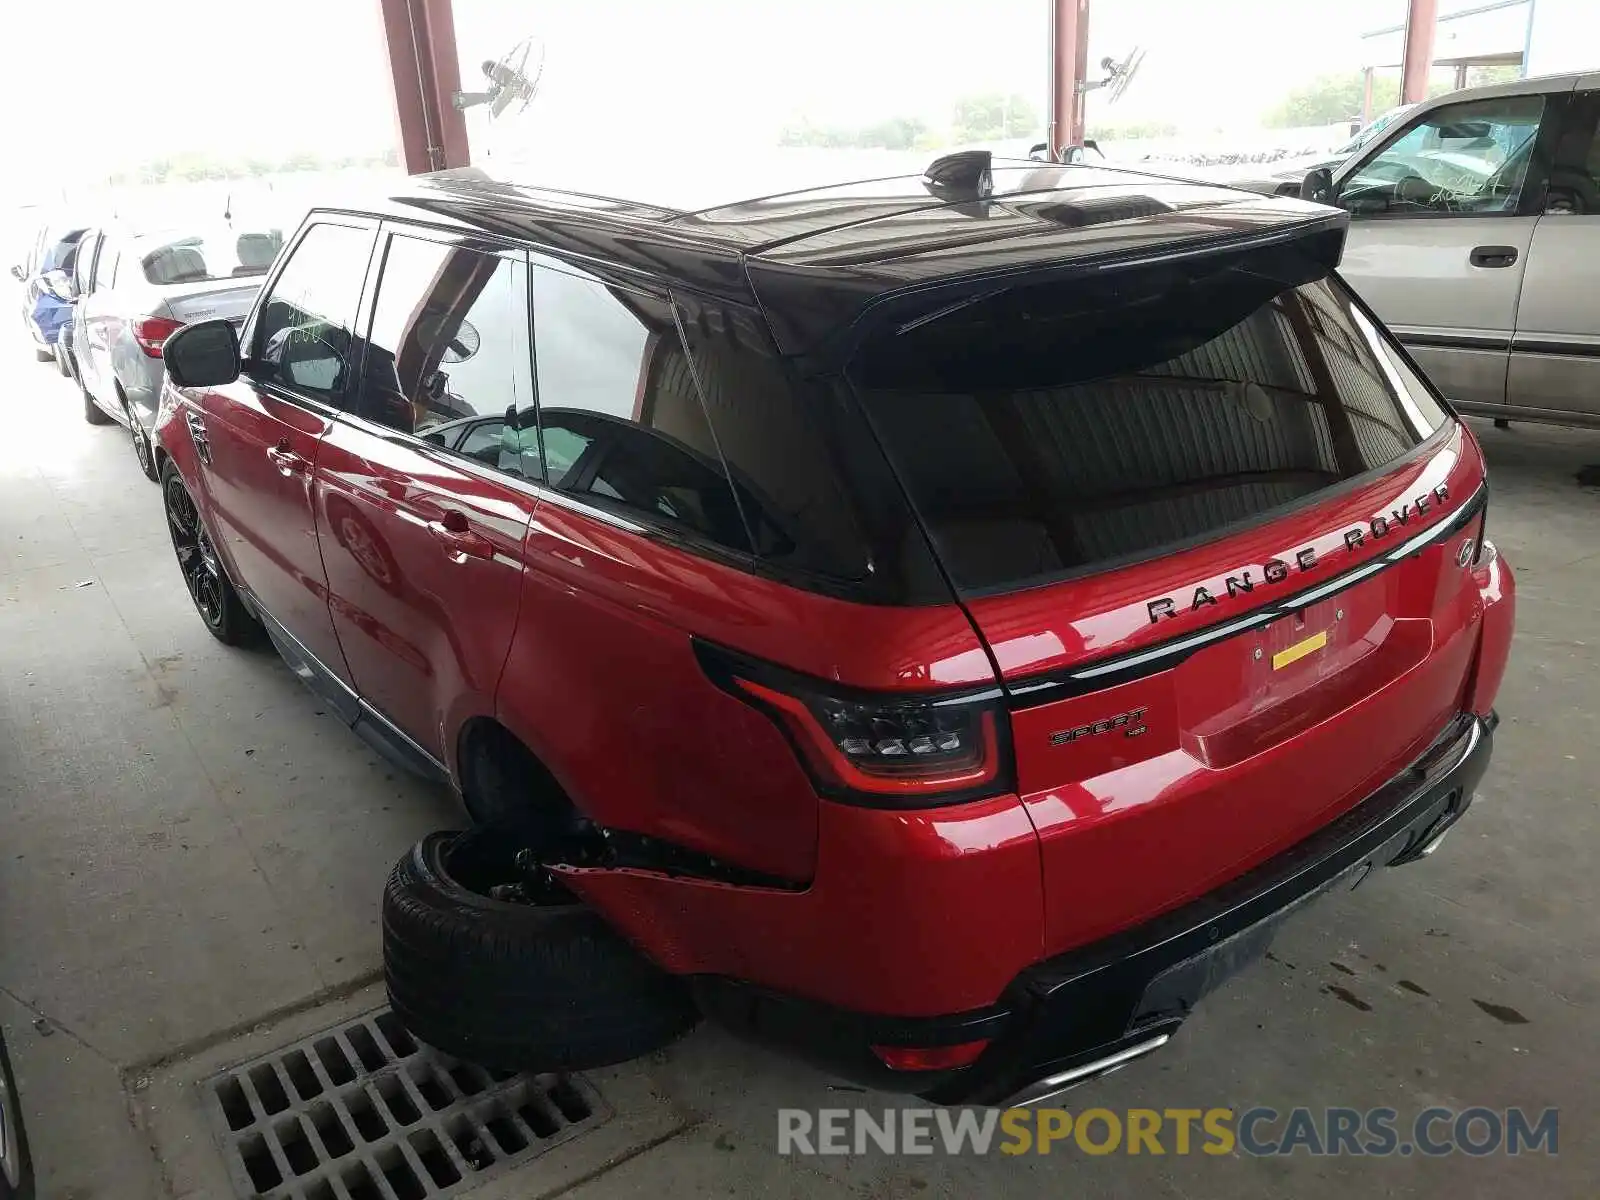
[(1493, 256), (287, 461), (462, 542)]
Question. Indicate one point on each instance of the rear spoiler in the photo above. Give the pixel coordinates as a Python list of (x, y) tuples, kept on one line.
[(820, 315)]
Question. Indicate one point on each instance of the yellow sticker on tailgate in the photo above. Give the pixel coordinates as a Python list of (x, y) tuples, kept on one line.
[(1299, 650)]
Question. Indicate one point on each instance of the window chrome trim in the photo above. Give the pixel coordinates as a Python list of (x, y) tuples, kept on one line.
[(1126, 667)]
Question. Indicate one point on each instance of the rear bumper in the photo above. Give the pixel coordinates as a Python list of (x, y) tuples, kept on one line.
[(1071, 1018)]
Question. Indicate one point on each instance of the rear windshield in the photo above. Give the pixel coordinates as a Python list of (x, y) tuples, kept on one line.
[(224, 254), (1050, 429)]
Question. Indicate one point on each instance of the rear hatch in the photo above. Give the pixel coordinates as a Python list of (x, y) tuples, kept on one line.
[(1212, 528)]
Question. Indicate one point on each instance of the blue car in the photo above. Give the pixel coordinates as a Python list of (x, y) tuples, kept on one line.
[(45, 276)]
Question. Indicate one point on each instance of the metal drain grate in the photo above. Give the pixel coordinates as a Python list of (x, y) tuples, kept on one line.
[(364, 1112)]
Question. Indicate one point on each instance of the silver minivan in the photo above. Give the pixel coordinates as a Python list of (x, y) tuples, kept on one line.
[(1475, 234)]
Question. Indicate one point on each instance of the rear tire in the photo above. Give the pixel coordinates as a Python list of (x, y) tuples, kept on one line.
[(43, 354), (515, 986), (1501, 423), (60, 355), (92, 412), (143, 452)]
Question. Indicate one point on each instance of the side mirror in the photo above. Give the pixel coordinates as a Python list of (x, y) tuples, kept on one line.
[(1038, 153), (19, 272), (1317, 186), (205, 354)]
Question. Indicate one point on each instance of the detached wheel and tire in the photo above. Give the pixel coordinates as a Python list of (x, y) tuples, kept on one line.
[(529, 986)]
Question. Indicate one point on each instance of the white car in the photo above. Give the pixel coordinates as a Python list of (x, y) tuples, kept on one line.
[(1285, 177), (1475, 235)]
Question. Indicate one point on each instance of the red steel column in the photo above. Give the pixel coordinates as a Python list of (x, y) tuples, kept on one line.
[(1069, 66), (425, 74), (1422, 17)]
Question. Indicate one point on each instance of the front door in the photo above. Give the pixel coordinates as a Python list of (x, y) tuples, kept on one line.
[(1443, 213), (422, 531), (1555, 356), (258, 438), (86, 329)]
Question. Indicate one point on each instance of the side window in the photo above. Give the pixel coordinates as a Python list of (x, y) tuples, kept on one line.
[(783, 441), (1575, 174), (622, 423), (449, 345), (1464, 159), (303, 337), (105, 266), (484, 442), (84, 264)]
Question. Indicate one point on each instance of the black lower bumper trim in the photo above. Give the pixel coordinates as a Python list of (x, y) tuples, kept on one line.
[(1068, 1015)]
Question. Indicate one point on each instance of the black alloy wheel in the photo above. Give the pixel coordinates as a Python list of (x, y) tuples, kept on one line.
[(214, 596)]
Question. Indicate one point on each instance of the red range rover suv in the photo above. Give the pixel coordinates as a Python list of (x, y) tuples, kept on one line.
[(976, 607)]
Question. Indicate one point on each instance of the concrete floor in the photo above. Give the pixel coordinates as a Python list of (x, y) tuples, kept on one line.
[(189, 849)]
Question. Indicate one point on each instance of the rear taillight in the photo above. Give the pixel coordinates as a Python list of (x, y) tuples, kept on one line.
[(875, 748), (152, 333)]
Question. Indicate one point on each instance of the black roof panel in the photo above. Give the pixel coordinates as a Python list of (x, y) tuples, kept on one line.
[(851, 243)]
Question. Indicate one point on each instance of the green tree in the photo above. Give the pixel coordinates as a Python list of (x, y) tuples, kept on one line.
[(897, 133), (894, 133), (1329, 99), (994, 116), (1131, 132), (1326, 100), (1498, 73)]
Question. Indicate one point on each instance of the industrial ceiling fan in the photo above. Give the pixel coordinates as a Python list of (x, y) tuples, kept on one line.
[(1118, 74), (513, 82), (1118, 77)]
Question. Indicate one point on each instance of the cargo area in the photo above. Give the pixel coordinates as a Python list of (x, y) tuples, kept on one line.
[(1224, 563)]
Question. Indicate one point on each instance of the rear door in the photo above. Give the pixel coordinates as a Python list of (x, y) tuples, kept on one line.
[(1210, 524), (424, 544), (258, 439), (1443, 213), (1555, 356)]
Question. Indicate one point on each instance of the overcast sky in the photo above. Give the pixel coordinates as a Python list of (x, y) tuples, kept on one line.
[(104, 83)]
